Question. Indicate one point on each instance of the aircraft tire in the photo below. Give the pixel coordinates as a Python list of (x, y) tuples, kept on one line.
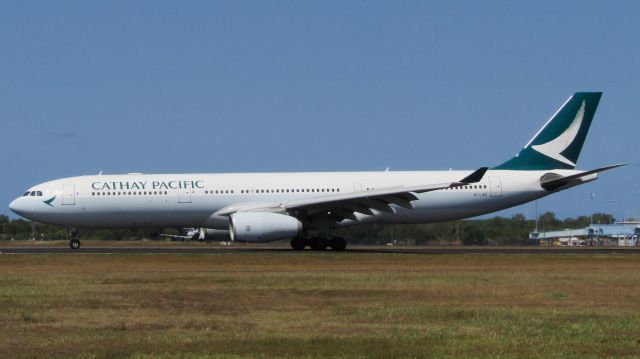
[(74, 244), (298, 243), (318, 244), (338, 244)]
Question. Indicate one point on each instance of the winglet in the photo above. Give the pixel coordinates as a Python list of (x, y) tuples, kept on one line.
[(476, 176)]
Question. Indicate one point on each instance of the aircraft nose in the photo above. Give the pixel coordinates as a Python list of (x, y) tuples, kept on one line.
[(16, 208)]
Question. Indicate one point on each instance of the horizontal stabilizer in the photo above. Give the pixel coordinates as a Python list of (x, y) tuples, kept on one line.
[(552, 182)]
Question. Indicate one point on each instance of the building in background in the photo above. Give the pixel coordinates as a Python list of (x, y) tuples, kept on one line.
[(618, 234)]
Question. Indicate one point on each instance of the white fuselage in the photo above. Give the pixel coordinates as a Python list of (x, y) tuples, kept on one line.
[(190, 200)]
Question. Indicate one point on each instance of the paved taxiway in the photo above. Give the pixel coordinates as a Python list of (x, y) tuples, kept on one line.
[(89, 249)]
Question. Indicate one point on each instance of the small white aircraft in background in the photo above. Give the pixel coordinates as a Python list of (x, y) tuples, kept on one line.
[(261, 207), (190, 234), (199, 234)]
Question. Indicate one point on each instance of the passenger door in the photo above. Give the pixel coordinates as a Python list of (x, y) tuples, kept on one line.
[(185, 195), (496, 186), (69, 194)]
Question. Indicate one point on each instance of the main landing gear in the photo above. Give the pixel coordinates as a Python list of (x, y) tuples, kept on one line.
[(318, 243), (74, 242)]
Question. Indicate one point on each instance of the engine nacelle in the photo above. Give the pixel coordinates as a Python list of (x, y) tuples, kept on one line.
[(210, 234), (262, 226)]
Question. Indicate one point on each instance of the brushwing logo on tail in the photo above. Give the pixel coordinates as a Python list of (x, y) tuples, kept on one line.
[(555, 147)]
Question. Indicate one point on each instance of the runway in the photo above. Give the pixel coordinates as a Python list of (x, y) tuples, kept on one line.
[(354, 249)]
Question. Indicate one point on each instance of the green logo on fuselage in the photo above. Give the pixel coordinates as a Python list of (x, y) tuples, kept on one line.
[(49, 201)]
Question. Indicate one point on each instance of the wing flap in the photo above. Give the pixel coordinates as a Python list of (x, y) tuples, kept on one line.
[(398, 201), (340, 214)]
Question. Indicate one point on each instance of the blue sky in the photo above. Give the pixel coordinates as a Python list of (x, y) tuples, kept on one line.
[(240, 86)]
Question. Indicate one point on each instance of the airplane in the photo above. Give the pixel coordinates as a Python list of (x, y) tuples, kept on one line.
[(191, 234), (306, 206), (199, 234)]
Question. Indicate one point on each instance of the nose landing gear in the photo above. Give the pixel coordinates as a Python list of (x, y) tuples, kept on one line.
[(74, 242)]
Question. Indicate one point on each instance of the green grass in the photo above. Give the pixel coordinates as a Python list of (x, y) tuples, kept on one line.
[(317, 305)]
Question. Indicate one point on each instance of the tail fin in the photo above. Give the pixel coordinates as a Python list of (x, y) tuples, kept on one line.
[(557, 145)]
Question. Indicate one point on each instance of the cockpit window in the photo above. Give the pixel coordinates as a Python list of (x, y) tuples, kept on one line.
[(32, 194)]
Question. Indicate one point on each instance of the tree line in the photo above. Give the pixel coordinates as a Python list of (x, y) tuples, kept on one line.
[(493, 231), (20, 229)]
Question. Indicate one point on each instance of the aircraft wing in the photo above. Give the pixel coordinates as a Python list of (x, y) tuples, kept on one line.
[(345, 205)]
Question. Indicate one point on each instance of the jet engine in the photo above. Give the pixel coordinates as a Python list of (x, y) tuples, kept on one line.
[(262, 226)]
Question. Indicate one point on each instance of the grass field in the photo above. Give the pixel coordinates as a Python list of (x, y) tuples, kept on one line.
[(319, 305)]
